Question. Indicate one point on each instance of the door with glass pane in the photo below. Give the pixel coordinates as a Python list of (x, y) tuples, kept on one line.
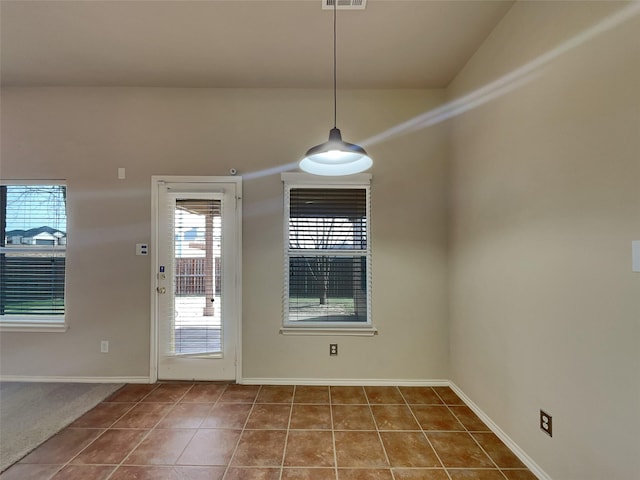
[(196, 292)]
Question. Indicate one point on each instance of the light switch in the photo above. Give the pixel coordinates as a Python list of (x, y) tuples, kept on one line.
[(635, 255), (121, 173)]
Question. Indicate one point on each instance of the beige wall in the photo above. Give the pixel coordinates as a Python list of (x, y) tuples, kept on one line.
[(545, 199), (84, 134)]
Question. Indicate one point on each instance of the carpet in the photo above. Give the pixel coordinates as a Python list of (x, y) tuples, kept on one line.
[(30, 413)]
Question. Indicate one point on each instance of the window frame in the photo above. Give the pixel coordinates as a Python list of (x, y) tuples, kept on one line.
[(38, 323), (304, 181)]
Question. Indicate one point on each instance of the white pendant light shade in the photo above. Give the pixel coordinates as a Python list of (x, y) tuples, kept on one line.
[(335, 157)]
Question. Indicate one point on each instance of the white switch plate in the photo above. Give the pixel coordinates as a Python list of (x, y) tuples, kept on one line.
[(142, 249), (121, 173), (635, 255), (104, 346)]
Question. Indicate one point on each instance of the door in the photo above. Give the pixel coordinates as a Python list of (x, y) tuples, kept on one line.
[(196, 266)]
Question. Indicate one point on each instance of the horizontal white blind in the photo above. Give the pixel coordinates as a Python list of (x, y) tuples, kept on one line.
[(197, 268), (33, 239), (327, 255), (327, 219)]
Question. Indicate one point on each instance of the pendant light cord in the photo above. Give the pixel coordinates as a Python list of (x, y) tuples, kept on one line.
[(335, 96)]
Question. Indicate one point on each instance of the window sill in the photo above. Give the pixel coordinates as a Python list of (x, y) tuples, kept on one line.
[(367, 331), (30, 325)]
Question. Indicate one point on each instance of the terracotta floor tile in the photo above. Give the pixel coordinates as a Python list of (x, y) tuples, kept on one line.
[(343, 395), (168, 392), (200, 473), (459, 450), (519, 475), (364, 474), (103, 415), (420, 395), (448, 396), (144, 473), (352, 417), (253, 473), (309, 474), (360, 449), (210, 447), (275, 394), (204, 393), (434, 418), (144, 415), (161, 447), (309, 449), (227, 415), (268, 416), (207, 431), (84, 472), (408, 449), (311, 417), (394, 417), (240, 393), (21, 471), (186, 415), (111, 447), (132, 393), (475, 474), (260, 448), (498, 451), (384, 395), (63, 446), (469, 419), (129, 472), (420, 474), (311, 394)]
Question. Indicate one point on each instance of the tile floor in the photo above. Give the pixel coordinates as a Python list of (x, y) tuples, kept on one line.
[(198, 431)]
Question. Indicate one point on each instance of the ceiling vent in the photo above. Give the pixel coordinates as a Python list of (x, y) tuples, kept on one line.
[(344, 4)]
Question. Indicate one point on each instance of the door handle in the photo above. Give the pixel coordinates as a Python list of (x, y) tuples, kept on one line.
[(161, 290)]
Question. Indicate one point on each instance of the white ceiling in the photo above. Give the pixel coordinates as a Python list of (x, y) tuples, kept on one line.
[(240, 43)]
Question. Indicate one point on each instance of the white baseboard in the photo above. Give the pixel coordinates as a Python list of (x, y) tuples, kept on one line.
[(513, 446), (343, 381), (61, 379)]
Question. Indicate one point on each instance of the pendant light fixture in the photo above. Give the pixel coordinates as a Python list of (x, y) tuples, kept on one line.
[(335, 157)]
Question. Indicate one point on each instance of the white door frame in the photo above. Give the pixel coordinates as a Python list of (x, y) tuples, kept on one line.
[(157, 180)]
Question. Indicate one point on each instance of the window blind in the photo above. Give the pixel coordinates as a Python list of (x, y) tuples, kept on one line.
[(327, 256), (327, 219), (33, 239), (197, 272)]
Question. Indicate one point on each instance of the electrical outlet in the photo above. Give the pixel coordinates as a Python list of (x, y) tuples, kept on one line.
[(546, 423), (104, 346), (333, 349)]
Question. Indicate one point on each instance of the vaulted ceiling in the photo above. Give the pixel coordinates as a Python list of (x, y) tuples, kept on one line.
[(240, 43)]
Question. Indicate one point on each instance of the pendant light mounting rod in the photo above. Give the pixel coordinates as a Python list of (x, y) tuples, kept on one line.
[(335, 157), (335, 66)]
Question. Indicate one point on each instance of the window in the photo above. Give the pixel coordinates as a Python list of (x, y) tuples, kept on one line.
[(33, 239), (327, 254)]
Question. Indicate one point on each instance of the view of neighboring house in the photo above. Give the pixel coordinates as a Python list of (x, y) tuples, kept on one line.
[(36, 236)]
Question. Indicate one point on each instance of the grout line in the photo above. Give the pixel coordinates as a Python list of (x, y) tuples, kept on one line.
[(333, 434), (375, 422), (286, 438), (68, 462), (235, 449), (144, 437), (424, 433), (468, 432), (104, 429)]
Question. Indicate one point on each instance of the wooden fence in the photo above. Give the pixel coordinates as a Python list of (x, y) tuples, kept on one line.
[(190, 276)]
